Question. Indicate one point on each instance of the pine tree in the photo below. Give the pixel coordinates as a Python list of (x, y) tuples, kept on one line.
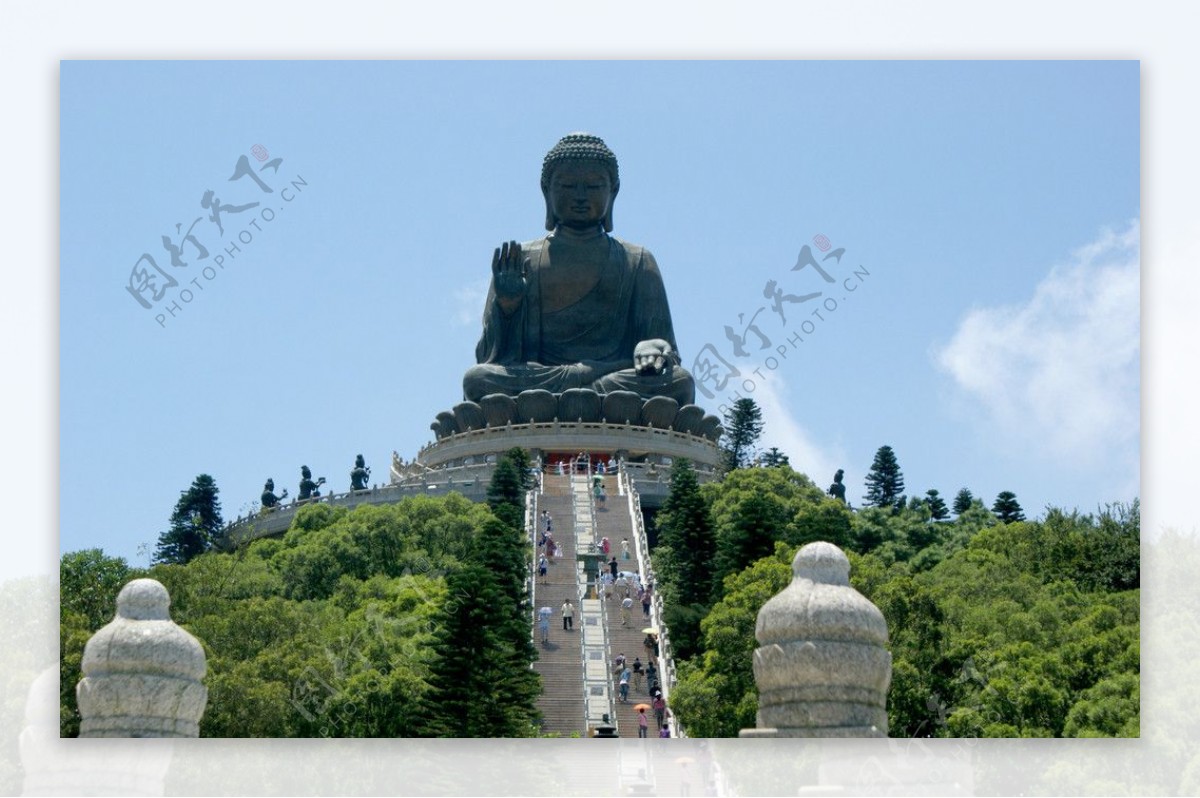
[(773, 458), (962, 501), (937, 506), (684, 558), (1007, 509), (501, 544), (743, 426), (506, 491), (483, 685), (508, 483), (195, 523), (885, 482), (686, 528)]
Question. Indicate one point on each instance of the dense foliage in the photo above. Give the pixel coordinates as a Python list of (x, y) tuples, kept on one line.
[(1024, 628), (385, 621)]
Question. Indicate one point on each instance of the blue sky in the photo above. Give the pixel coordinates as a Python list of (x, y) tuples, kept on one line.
[(994, 343)]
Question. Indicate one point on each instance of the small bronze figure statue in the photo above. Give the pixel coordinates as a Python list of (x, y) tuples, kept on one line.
[(269, 499), (360, 474), (308, 488), (837, 490)]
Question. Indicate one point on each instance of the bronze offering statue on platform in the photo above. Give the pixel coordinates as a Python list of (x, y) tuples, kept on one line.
[(360, 474), (308, 488), (269, 499), (577, 308)]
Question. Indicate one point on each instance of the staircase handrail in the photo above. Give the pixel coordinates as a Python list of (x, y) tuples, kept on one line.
[(642, 546)]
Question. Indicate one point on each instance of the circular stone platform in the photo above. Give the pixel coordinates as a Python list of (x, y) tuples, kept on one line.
[(626, 441), (578, 420)]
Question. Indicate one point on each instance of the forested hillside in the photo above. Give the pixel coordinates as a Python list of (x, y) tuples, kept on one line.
[(1019, 629), (387, 621)]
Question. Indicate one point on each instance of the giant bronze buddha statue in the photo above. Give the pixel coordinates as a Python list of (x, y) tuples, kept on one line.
[(577, 308)]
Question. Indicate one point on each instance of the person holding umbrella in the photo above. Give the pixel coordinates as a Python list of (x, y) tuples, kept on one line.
[(643, 721), (544, 622)]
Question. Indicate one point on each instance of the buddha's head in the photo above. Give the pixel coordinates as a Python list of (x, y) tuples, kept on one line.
[(305, 473), (270, 486), (580, 181), (359, 462)]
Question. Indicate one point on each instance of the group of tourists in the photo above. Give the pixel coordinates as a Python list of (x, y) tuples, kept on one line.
[(582, 463), (626, 673), (625, 584)]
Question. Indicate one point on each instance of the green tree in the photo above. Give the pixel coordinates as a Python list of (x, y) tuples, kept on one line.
[(1108, 709), (756, 523), (828, 520), (684, 556), (510, 481), (195, 523), (483, 684), (752, 509), (937, 505), (962, 501), (885, 482), (773, 457), (742, 429), (1006, 508)]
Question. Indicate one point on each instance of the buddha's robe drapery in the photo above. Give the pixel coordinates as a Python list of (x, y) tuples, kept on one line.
[(587, 342)]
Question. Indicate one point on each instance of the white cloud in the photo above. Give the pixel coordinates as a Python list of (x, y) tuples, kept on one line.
[(782, 430), (468, 302), (1060, 371)]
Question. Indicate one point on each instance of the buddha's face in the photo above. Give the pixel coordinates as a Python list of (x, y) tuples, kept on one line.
[(580, 194)]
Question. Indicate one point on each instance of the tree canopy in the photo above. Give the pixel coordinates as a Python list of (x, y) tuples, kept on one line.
[(1025, 628), (349, 625)]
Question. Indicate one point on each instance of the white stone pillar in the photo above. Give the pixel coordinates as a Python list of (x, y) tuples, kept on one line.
[(822, 666), (142, 673)]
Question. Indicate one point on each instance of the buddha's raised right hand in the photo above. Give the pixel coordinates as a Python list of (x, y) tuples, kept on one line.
[(508, 276)]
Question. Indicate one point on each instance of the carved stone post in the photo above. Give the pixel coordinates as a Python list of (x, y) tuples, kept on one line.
[(142, 673), (822, 666)]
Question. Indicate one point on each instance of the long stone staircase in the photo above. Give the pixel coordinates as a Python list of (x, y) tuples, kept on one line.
[(559, 663), (576, 666)]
